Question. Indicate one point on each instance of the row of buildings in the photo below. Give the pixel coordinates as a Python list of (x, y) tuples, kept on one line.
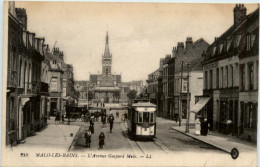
[(223, 79), (38, 80)]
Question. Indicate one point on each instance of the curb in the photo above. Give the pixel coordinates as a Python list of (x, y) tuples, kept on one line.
[(202, 140), (73, 141)]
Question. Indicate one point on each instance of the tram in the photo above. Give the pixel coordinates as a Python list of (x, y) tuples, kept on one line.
[(141, 119)]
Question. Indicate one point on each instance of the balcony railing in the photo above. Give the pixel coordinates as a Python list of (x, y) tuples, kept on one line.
[(12, 78)]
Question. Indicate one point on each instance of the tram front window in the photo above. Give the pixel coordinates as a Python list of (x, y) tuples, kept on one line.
[(146, 116), (151, 117)]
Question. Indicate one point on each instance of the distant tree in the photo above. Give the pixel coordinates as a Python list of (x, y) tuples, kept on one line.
[(132, 94)]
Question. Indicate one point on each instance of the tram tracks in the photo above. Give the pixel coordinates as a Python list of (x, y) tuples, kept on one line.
[(145, 146)]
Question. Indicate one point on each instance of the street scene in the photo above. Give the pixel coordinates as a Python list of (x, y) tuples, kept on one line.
[(112, 83)]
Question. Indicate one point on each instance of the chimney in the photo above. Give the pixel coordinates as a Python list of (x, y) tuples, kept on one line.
[(189, 42), (239, 14), (180, 47), (174, 51), (56, 51), (22, 17), (161, 62)]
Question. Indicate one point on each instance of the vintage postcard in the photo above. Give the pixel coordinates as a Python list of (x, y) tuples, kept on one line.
[(129, 84)]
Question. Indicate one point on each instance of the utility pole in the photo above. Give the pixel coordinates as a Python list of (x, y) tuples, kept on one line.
[(180, 112), (188, 99)]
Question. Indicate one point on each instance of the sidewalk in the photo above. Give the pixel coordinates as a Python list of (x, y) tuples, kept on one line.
[(52, 137), (220, 141)]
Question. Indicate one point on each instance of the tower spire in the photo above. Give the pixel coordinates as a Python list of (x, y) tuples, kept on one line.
[(107, 38)]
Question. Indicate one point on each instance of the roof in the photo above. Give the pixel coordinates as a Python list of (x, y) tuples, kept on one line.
[(106, 89), (93, 78), (191, 55), (107, 53), (234, 38), (143, 104)]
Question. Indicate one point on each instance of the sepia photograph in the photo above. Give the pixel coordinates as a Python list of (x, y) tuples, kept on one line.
[(129, 84)]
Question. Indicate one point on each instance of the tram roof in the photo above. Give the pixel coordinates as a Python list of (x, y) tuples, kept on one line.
[(143, 104)]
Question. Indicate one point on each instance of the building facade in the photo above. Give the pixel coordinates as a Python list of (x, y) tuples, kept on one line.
[(25, 57), (14, 41), (231, 76), (56, 82), (68, 91), (187, 70)]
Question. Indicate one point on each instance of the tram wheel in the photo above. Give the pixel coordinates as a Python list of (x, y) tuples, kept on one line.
[(234, 153)]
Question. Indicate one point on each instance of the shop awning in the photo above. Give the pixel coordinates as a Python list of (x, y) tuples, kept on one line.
[(200, 104)]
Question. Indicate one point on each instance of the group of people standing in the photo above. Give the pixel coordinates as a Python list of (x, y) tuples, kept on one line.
[(104, 118)]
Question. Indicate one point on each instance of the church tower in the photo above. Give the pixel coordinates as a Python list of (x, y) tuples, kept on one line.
[(106, 59)]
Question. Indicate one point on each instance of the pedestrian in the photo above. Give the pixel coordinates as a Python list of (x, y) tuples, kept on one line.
[(91, 128), (88, 138), (62, 118), (204, 127), (111, 122), (57, 118), (101, 140), (92, 117), (117, 114), (96, 116), (197, 127), (104, 117)]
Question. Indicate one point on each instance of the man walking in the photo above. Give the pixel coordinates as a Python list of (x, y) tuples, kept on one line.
[(111, 122)]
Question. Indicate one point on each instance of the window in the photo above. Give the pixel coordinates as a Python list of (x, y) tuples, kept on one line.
[(251, 116), (54, 62), (28, 80), (11, 114), (184, 85), (251, 76), (24, 75), (152, 117), (217, 78), (222, 77), (20, 74), (227, 76), (54, 85), (225, 46), (140, 117), (242, 74), (146, 116)]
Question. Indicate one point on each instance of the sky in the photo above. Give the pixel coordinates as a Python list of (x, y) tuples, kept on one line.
[(139, 33)]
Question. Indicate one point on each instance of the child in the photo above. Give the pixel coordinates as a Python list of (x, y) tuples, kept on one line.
[(101, 140), (88, 138)]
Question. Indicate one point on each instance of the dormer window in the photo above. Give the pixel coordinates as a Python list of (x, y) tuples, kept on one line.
[(248, 42), (250, 39), (225, 46)]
